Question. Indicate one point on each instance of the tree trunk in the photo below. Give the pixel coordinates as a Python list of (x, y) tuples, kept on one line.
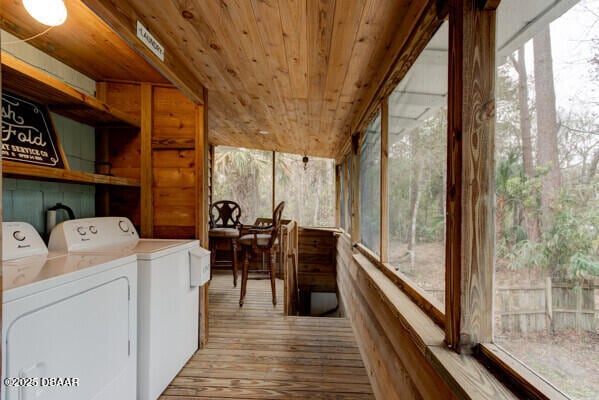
[(414, 212), (532, 223), (547, 151)]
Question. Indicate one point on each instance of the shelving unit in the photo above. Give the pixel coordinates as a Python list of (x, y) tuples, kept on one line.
[(64, 175), (25, 80), (30, 82)]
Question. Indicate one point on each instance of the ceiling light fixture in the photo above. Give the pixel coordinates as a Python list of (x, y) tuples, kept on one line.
[(48, 12), (263, 132)]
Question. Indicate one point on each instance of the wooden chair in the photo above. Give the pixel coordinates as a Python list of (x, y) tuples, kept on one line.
[(262, 240), (224, 226)]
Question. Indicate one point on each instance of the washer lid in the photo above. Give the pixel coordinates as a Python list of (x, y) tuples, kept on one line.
[(23, 277)]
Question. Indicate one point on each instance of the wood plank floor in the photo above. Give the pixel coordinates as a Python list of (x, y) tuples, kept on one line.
[(255, 352)]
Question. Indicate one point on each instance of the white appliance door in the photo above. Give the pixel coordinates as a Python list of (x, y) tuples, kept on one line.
[(168, 325), (84, 336)]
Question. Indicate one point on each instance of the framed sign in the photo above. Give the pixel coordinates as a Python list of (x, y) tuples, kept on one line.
[(28, 134)]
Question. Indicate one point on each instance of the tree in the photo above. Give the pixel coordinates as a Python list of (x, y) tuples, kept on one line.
[(532, 223), (547, 150)]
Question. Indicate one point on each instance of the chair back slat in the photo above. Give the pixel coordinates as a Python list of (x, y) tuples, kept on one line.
[(225, 214)]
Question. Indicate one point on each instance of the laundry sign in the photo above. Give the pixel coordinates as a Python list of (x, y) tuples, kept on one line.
[(28, 134), (149, 40)]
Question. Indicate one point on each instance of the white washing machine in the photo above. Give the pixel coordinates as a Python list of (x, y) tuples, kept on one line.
[(69, 322), (169, 273)]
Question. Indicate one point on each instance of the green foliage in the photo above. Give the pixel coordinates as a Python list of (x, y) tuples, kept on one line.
[(568, 249)]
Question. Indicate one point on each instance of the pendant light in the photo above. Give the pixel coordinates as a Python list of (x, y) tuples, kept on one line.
[(48, 12)]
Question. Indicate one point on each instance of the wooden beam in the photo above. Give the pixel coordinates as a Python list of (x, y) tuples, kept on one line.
[(354, 158), (346, 191), (202, 205), (384, 249), (470, 169), (274, 183), (147, 212), (338, 195), (123, 17)]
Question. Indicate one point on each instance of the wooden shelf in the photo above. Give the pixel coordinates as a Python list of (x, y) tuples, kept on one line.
[(28, 81), (64, 175)]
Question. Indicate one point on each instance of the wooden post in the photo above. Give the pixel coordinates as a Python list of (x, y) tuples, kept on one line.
[(273, 181), (355, 188), (102, 156), (338, 195), (579, 315), (549, 303), (470, 176), (147, 212), (384, 249), (202, 148), (346, 186)]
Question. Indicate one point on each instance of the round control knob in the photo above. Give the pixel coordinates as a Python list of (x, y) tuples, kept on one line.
[(124, 226), (20, 236), (81, 230), (93, 229)]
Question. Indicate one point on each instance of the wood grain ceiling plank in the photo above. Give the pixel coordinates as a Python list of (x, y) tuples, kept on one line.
[(346, 24), (295, 35), (252, 57), (123, 16), (268, 21), (377, 27), (321, 15)]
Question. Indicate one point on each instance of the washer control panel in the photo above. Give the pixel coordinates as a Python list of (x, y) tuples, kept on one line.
[(90, 233), (20, 239)]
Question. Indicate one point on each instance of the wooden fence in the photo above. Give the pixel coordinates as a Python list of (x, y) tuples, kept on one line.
[(546, 306), (543, 306)]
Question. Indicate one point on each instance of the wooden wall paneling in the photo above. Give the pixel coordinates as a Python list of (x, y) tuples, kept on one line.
[(176, 165), (147, 206), (396, 365), (121, 148), (316, 267), (384, 245), (470, 190)]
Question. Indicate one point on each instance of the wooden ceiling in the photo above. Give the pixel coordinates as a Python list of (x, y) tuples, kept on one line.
[(83, 42), (303, 70)]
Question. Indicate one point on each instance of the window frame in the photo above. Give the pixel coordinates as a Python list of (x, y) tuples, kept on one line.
[(472, 29)]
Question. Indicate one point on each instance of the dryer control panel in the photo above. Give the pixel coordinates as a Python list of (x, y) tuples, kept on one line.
[(92, 233)]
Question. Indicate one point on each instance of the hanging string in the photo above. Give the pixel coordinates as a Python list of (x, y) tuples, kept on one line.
[(28, 39)]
